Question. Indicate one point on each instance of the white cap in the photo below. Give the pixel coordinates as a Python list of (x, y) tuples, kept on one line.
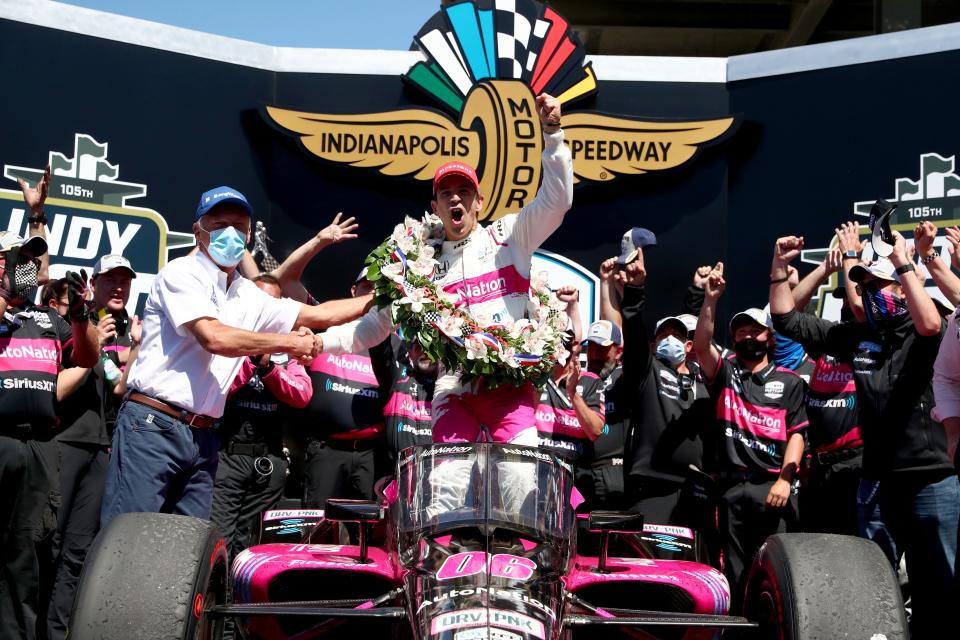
[(881, 268), (110, 262), (605, 333), (752, 314), (34, 246)]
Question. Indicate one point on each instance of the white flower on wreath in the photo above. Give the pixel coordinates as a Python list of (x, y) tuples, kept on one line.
[(538, 280), (534, 345), (406, 244), (426, 251), (399, 231), (450, 323), (422, 266), (559, 321), (393, 271), (476, 349), (509, 357), (416, 299), (561, 354), (520, 326), (542, 314)]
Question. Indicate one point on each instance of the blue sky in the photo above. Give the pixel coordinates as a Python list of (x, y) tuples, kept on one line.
[(350, 24)]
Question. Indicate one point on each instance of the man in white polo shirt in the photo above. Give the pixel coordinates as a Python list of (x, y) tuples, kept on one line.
[(201, 319)]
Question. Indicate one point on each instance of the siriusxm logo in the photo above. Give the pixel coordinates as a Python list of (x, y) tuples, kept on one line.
[(353, 391), (850, 402), (409, 428)]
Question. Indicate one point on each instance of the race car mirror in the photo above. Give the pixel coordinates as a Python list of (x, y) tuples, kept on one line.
[(364, 512), (353, 510), (607, 522)]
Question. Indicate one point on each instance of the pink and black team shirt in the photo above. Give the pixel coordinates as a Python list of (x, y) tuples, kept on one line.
[(757, 412), (32, 344), (558, 428), (346, 397), (832, 407)]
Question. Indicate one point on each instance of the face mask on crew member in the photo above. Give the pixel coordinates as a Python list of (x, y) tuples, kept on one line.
[(750, 350), (25, 276), (226, 246), (671, 350), (881, 306)]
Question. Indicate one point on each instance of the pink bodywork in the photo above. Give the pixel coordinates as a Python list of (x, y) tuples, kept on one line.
[(254, 568)]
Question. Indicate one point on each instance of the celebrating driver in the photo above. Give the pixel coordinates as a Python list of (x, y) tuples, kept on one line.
[(489, 268)]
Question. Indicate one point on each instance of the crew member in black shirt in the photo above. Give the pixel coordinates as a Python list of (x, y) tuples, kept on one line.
[(904, 448), (761, 413), (87, 412), (669, 411), (34, 342)]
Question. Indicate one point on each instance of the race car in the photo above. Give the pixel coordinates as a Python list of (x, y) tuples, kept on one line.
[(471, 542)]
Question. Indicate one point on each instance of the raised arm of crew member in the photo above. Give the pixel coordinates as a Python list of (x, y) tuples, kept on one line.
[(290, 271), (693, 300), (611, 291), (808, 285), (924, 313), (637, 354), (947, 281), (34, 197), (851, 248), (85, 344), (543, 215), (707, 354)]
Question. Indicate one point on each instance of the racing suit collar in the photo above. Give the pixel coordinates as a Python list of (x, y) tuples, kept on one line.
[(451, 246)]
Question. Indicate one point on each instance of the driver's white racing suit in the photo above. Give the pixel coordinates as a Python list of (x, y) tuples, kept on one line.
[(490, 269)]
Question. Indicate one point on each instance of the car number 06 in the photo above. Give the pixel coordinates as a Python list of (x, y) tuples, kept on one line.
[(502, 565)]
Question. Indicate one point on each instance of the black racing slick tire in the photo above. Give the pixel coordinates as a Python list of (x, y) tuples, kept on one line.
[(806, 586), (151, 576)]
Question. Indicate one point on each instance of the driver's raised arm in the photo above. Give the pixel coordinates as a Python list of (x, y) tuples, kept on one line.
[(543, 215)]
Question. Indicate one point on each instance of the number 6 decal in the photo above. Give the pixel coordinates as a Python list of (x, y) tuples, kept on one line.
[(502, 565)]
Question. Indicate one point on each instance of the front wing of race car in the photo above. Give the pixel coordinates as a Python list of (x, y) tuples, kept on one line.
[(306, 590)]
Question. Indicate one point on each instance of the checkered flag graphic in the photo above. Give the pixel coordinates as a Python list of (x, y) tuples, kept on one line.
[(520, 33)]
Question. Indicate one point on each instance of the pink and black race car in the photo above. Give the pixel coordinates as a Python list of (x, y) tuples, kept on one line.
[(471, 542)]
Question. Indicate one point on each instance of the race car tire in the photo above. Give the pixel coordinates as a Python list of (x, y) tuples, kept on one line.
[(806, 586), (151, 576)]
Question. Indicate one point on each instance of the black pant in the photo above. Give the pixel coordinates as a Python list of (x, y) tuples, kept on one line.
[(608, 486), (29, 499), (240, 494), (745, 523), (83, 474), (828, 498), (691, 504), (333, 472)]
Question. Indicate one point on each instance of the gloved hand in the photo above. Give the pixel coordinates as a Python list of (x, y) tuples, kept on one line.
[(76, 290)]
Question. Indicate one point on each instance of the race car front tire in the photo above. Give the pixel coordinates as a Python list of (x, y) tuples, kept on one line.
[(151, 576), (806, 586)]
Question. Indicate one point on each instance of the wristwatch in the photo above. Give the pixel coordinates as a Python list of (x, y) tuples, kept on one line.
[(40, 218), (850, 254), (905, 268)]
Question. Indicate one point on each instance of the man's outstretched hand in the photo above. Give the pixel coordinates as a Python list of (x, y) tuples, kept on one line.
[(338, 230)]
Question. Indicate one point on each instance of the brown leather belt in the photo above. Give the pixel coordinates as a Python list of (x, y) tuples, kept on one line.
[(191, 419)]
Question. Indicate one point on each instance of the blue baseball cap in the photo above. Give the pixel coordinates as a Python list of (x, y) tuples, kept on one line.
[(634, 240), (220, 195)]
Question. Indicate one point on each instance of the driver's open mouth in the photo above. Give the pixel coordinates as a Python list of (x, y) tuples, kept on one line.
[(456, 215)]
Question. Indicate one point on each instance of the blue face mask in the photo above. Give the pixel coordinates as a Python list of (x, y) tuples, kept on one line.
[(788, 353), (226, 246), (671, 350)]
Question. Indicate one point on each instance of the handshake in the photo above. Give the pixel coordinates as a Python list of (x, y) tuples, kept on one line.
[(304, 345)]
